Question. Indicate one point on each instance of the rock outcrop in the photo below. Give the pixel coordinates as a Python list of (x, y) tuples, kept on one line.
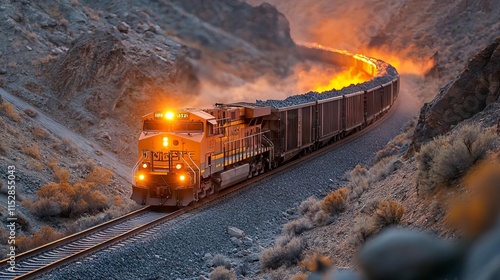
[(476, 87)]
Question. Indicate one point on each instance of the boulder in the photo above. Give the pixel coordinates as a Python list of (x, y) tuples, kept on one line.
[(476, 87), (235, 232), (411, 255), (123, 27)]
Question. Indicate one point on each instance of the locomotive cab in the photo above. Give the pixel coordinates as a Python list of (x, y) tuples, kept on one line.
[(169, 157), (187, 154)]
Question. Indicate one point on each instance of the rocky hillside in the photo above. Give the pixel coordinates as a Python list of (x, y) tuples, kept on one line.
[(96, 66), (476, 90)]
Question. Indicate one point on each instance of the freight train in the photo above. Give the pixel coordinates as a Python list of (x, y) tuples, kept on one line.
[(188, 154)]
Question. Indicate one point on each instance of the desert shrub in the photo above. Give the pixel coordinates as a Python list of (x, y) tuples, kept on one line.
[(69, 146), (388, 212), (32, 151), (321, 218), (447, 158), (221, 260), (65, 200), (380, 215), (383, 168), (364, 227), (119, 208), (359, 181), (8, 110), (335, 202), (479, 209), (284, 239), (298, 226), (311, 209), (35, 165), (370, 206), (99, 176), (45, 235), (38, 132), (310, 205), (316, 263), (221, 273), (31, 113), (279, 255), (23, 222), (60, 174)]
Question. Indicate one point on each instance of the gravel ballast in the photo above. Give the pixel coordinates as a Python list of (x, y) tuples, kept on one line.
[(177, 250)]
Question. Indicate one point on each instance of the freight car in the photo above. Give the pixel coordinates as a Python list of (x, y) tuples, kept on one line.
[(188, 154)]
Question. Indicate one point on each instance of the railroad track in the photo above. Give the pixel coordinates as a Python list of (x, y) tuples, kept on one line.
[(66, 250), (52, 255)]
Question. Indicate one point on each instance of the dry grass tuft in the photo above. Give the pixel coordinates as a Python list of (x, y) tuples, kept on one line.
[(39, 132), (221, 260), (47, 59), (99, 176), (335, 202), (316, 263), (221, 273), (388, 212), (60, 174), (32, 151), (65, 200), (282, 254), (35, 165), (8, 110), (383, 213), (449, 157), (298, 226), (45, 235)]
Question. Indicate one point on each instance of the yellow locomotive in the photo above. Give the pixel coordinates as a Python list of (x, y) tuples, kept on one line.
[(187, 154)]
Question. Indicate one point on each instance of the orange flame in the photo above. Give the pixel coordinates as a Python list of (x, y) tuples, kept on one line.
[(343, 79)]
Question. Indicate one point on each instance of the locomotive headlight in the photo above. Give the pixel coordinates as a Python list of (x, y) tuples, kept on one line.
[(178, 166), (169, 115), (182, 177), (141, 177), (165, 141), (145, 165)]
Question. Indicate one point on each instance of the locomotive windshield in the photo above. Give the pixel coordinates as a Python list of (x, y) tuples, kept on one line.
[(187, 127), (151, 125), (191, 127)]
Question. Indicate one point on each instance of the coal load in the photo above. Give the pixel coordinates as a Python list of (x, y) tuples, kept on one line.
[(385, 74)]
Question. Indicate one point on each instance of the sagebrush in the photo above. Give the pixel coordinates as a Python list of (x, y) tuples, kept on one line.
[(282, 254), (335, 202), (449, 157), (221, 273)]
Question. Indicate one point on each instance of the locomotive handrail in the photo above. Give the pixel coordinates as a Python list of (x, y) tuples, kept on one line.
[(136, 167)]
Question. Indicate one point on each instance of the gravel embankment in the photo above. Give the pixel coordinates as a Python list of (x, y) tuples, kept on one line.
[(177, 250)]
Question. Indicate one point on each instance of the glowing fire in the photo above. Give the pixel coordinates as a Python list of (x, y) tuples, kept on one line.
[(343, 79)]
